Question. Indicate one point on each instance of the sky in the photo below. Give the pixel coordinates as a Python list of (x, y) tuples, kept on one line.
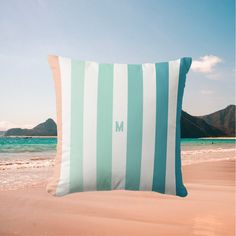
[(124, 31)]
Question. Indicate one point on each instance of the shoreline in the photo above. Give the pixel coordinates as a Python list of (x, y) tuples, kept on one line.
[(21, 166), (219, 138), (19, 136)]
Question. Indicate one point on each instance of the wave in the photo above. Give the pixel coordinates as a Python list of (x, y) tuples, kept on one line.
[(204, 151), (27, 148), (186, 162)]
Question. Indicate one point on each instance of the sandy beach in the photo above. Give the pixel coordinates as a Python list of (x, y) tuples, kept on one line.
[(209, 208)]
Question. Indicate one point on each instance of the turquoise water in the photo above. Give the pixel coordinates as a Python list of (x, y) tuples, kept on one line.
[(26, 148), (30, 145), (203, 141), (18, 144)]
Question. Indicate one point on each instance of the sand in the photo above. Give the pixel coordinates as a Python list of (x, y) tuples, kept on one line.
[(209, 209)]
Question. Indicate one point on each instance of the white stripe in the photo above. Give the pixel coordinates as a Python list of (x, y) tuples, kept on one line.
[(170, 186), (149, 126), (90, 126), (65, 69), (119, 139)]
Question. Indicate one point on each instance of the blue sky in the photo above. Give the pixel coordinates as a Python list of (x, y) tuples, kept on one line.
[(113, 31)]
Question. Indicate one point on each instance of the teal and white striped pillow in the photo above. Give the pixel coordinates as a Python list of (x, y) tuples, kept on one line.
[(118, 126)]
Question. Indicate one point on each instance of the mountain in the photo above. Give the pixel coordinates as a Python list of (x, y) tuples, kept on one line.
[(217, 124), (223, 119), (195, 127), (48, 128), (2, 133)]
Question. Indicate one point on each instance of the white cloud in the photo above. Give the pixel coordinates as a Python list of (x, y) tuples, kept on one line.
[(206, 92), (5, 125), (205, 64)]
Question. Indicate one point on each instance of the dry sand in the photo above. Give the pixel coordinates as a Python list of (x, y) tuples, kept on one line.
[(209, 209)]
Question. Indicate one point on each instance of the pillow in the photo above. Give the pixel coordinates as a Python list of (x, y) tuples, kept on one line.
[(118, 126)]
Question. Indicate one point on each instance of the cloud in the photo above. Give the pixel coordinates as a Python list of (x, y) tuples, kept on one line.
[(206, 92), (205, 64), (5, 125)]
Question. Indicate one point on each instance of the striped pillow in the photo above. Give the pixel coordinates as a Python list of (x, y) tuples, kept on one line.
[(118, 126)]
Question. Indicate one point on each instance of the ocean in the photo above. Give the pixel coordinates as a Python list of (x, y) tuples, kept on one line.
[(24, 147), (29, 161)]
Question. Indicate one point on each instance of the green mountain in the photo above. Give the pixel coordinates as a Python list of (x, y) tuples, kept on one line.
[(48, 128), (195, 127), (217, 124), (223, 119)]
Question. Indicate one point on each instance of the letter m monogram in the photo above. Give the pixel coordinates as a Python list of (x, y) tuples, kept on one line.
[(119, 126)]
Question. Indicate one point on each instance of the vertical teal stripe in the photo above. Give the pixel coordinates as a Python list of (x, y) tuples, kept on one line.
[(77, 98), (134, 127), (104, 126), (185, 64), (162, 84)]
